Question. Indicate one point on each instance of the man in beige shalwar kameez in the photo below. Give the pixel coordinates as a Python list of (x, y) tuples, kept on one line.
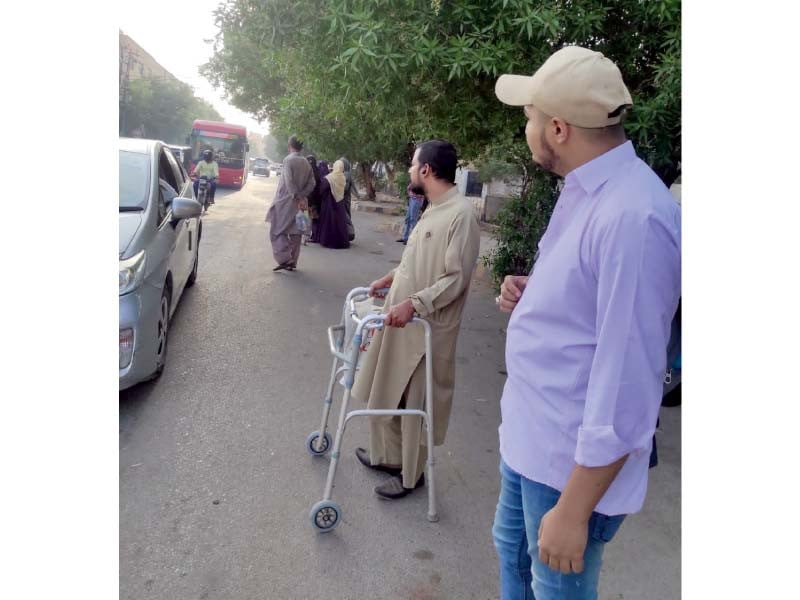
[(432, 281)]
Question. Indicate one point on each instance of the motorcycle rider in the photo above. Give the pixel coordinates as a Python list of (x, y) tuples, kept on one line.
[(207, 167)]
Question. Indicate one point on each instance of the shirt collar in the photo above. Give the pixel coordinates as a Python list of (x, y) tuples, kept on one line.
[(597, 171), (446, 196)]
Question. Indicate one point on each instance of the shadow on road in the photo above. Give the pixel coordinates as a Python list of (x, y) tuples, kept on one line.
[(131, 402), (134, 399)]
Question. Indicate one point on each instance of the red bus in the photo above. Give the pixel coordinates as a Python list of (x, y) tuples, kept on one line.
[(229, 143)]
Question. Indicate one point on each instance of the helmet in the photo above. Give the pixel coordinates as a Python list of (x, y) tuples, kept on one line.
[(208, 154)]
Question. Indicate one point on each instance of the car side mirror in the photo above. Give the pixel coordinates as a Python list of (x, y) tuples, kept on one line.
[(185, 208)]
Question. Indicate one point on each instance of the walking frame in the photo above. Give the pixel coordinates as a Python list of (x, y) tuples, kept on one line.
[(326, 514)]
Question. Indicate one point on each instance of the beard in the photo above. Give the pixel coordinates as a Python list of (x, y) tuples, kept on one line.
[(417, 189), (547, 158)]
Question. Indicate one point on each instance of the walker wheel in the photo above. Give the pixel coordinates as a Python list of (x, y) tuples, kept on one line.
[(325, 516), (311, 442)]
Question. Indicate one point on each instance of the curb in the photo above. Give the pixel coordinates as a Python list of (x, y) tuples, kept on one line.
[(385, 210)]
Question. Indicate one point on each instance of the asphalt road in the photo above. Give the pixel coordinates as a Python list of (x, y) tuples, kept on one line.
[(215, 482)]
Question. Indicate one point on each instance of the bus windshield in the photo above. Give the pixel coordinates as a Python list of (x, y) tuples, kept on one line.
[(228, 148)]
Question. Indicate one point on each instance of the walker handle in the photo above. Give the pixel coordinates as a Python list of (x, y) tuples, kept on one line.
[(375, 321), (332, 341), (359, 294)]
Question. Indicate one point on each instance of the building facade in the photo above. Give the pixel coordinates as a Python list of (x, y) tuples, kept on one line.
[(135, 63)]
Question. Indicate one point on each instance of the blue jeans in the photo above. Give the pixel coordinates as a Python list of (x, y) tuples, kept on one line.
[(412, 216), (523, 576)]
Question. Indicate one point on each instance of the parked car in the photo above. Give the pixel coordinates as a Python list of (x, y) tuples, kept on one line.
[(159, 251), (276, 168), (261, 167)]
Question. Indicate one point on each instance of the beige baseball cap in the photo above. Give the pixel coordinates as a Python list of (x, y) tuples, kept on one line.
[(579, 85)]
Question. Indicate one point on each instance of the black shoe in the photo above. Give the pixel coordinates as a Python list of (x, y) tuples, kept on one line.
[(401, 240), (363, 457), (283, 266), (392, 489)]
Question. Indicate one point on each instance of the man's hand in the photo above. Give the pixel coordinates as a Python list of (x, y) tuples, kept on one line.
[(400, 314), (379, 284), (562, 541), (302, 203), (511, 292)]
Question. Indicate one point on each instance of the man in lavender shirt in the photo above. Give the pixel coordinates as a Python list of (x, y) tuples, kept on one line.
[(587, 338)]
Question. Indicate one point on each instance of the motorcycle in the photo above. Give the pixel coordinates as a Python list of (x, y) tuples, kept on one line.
[(204, 195)]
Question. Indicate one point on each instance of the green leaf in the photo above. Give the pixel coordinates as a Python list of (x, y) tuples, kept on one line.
[(453, 71)]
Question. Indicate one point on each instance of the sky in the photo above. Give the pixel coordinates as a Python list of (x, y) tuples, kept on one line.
[(172, 32)]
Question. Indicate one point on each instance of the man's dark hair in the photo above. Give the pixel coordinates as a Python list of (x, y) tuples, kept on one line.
[(442, 158), (295, 144)]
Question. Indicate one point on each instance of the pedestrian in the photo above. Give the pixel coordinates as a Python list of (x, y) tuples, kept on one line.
[(432, 281), (413, 212), (295, 184), (323, 169), (348, 188), (314, 200), (586, 342), (332, 215)]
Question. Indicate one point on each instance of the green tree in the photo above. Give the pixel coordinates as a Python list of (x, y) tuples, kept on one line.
[(256, 141), (275, 149), (366, 78), (165, 110)]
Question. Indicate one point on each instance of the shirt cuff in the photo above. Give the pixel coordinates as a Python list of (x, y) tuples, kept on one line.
[(419, 306), (601, 446)]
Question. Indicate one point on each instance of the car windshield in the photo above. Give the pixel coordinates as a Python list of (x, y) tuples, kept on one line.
[(261, 163), (134, 180)]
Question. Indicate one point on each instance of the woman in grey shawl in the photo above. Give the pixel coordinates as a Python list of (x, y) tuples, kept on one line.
[(295, 184)]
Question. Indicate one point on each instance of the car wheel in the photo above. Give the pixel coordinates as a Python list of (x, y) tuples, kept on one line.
[(193, 274), (163, 333)]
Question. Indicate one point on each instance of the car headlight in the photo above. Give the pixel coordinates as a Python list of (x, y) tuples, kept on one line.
[(131, 273)]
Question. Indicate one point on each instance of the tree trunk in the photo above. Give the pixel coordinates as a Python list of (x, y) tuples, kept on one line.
[(366, 172)]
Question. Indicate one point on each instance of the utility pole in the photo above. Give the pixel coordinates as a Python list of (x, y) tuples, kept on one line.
[(127, 57)]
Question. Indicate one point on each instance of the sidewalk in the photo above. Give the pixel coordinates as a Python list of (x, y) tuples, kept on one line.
[(391, 208), (384, 204)]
